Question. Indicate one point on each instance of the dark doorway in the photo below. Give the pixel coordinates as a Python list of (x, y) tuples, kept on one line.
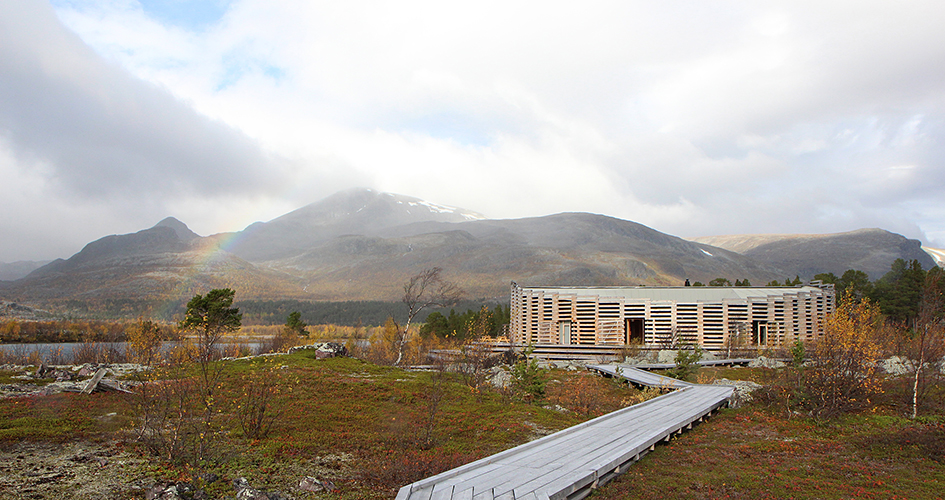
[(635, 331), (759, 331)]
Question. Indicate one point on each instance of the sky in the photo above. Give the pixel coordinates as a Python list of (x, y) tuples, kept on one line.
[(694, 118)]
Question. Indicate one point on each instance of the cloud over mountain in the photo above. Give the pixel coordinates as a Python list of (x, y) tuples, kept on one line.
[(699, 119)]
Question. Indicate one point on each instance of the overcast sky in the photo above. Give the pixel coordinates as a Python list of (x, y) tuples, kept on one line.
[(695, 118)]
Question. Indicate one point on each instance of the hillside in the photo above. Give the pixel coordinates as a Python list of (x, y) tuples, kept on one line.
[(804, 255)]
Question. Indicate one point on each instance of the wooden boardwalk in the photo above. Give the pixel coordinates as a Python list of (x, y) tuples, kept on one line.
[(714, 362), (637, 376), (570, 463)]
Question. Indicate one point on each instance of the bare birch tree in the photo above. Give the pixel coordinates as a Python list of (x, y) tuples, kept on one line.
[(926, 344), (425, 290)]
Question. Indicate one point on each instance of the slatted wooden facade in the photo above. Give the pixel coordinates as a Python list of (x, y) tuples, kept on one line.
[(712, 317)]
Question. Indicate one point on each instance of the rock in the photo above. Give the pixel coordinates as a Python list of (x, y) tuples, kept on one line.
[(110, 385), (763, 362), (666, 356), (209, 478), (322, 349), (896, 365), (638, 359), (315, 485), (123, 369), (86, 370), (500, 378), (743, 390), (557, 408), (240, 483), (311, 484), (173, 491), (246, 492)]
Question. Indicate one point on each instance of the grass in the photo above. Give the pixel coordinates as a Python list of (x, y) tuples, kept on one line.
[(360, 425), (760, 451), (751, 453), (364, 427), (57, 418)]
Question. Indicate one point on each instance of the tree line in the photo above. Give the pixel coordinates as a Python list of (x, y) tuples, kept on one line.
[(60, 331), (349, 313), (470, 324), (898, 294)]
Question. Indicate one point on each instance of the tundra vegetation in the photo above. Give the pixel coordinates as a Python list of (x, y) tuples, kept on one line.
[(829, 424)]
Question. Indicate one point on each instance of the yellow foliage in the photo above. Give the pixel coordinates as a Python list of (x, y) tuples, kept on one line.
[(144, 338), (844, 375)]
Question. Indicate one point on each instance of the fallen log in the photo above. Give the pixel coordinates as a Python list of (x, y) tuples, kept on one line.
[(94, 381)]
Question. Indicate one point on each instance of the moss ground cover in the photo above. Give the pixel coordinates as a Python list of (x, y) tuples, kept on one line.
[(371, 429), (761, 451), (367, 428)]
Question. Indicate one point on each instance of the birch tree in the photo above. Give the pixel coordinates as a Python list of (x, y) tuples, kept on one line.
[(425, 290), (926, 344)]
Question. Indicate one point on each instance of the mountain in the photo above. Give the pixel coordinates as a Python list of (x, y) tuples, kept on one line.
[(804, 255), (167, 260), (363, 245), (356, 211), (16, 270), (485, 255)]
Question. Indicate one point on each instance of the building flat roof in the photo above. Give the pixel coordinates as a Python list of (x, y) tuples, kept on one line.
[(677, 293)]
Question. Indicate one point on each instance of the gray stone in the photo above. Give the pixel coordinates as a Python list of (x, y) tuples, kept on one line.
[(763, 362), (500, 378), (666, 356), (743, 390), (322, 349), (172, 491), (246, 492), (896, 365), (315, 485)]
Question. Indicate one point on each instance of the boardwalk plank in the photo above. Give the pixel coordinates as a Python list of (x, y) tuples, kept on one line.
[(442, 493)]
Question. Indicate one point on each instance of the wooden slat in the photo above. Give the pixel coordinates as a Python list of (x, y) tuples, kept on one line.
[(466, 494)]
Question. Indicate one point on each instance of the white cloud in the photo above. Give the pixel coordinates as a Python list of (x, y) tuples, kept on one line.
[(691, 117)]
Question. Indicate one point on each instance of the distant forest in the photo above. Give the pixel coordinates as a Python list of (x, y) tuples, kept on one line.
[(353, 313)]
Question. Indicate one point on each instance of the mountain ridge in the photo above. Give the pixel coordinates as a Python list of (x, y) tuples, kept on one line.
[(869, 249), (363, 245)]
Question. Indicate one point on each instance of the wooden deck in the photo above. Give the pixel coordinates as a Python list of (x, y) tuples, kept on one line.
[(570, 463)]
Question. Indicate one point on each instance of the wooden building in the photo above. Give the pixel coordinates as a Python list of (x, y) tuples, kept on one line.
[(711, 317)]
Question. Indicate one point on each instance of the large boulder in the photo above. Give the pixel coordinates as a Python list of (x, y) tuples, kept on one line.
[(322, 349)]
